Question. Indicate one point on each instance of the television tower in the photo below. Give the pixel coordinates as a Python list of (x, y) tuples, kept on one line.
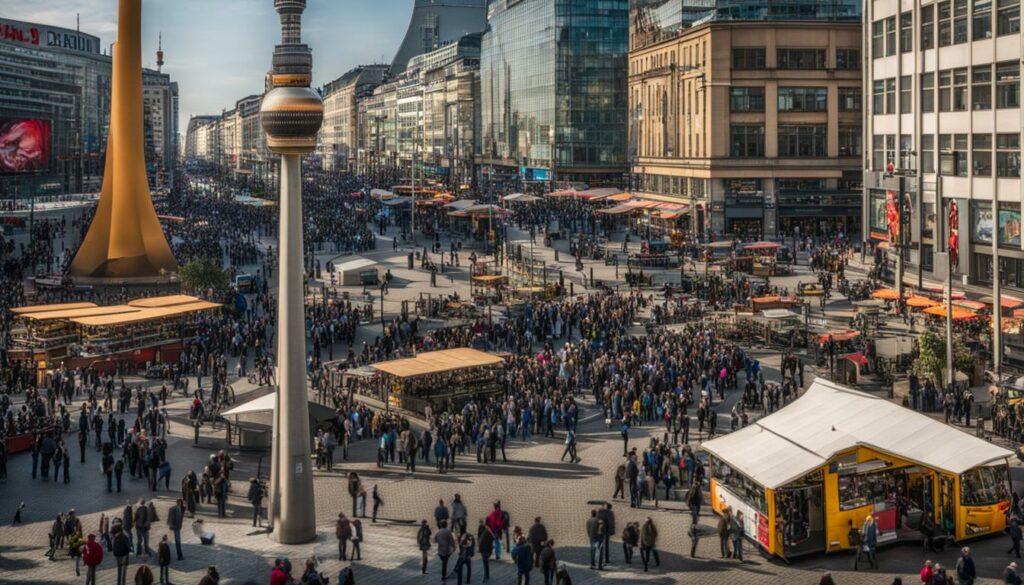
[(291, 115)]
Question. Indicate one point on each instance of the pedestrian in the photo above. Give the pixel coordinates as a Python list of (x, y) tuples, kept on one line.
[(122, 549), (142, 524), (548, 562), (523, 557), (108, 470), (144, 576), (220, 490), (694, 533), (467, 546), (278, 575), (378, 503), (927, 573), (965, 571), (343, 531), (485, 544), (92, 556), (940, 577), (724, 526), (255, 498), (118, 473), (459, 514), (562, 576), (630, 540), (607, 518), (595, 535), (346, 576), (648, 544), (175, 520), (869, 539), (423, 539), (1010, 576), (354, 487), (1014, 531), (357, 539), (738, 531), (446, 546), (537, 537), (695, 499), (441, 513), (163, 558)]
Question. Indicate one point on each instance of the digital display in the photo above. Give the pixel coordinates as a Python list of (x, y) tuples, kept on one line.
[(24, 145)]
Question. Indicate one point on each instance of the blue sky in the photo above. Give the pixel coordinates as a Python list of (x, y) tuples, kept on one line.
[(219, 50)]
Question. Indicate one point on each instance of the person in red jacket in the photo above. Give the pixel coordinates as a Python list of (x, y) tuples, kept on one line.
[(278, 576), (92, 555)]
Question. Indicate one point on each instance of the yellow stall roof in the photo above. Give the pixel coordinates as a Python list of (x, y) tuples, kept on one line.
[(166, 301), (83, 312), (48, 308), (147, 314), (436, 362)]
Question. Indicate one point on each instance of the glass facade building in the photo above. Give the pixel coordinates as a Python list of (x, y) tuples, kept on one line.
[(568, 112), (829, 10)]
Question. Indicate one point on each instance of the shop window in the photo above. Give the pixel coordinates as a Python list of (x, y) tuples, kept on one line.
[(984, 486), (739, 484), (857, 490)]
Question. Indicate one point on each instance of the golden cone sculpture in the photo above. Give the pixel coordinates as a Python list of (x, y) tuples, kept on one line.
[(125, 243)]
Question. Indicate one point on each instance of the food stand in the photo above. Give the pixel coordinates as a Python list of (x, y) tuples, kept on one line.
[(765, 261), (439, 379), (804, 475)]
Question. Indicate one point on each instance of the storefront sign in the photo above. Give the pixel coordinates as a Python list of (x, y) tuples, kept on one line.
[(34, 35), (762, 530)]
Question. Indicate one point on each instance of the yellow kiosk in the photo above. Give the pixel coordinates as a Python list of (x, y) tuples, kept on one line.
[(804, 475)]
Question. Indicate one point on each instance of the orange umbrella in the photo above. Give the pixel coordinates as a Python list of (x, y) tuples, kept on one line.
[(959, 314), (886, 294), (921, 302)]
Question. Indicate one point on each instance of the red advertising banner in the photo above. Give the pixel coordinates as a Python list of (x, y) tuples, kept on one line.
[(954, 234), (892, 216), (762, 530)]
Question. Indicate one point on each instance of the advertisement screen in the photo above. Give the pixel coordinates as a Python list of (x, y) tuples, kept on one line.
[(983, 225), (1009, 226), (24, 145), (878, 219)]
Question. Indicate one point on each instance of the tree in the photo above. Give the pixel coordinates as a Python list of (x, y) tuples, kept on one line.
[(204, 275), (931, 356)]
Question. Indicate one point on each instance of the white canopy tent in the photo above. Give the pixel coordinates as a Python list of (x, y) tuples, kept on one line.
[(829, 419)]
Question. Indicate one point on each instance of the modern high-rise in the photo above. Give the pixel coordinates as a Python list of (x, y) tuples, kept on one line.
[(438, 22), (945, 111), (553, 91), (753, 125)]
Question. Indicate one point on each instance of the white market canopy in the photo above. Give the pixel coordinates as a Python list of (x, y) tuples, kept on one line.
[(780, 314), (829, 419), (268, 403), (357, 263)]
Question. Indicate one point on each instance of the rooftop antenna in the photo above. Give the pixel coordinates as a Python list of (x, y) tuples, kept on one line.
[(159, 52)]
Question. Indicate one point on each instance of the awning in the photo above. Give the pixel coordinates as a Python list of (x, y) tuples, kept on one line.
[(971, 305), (167, 301), (762, 246), (959, 313), (488, 278), (436, 362), (838, 336), (84, 312), (857, 358), (461, 204), (268, 403), (618, 197), (51, 308), (770, 299), (142, 315), (919, 302), (779, 314), (886, 294), (830, 419)]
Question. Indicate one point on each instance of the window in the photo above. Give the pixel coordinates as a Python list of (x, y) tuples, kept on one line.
[(878, 96), (981, 24), (890, 95), (960, 89), (981, 154), (1008, 84), (906, 94), (959, 21), (802, 140), (848, 59), (849, 99), (747, 140), (803, 99), (878, 39), (945, 23), (850, 141), (906, 157), (985, 486), (890, 36), (953, 148), (928, 27), (1007, 155), (1007, 17), (739, 484), (879, 156), (946, 90), (981, 87), (801, 58), (746, 99), (748, 58), (927, 157), (927, 92), (906, 32)]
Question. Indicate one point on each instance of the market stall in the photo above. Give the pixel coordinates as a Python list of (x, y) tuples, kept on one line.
[(438, 379), (804, 475), (357, 271)]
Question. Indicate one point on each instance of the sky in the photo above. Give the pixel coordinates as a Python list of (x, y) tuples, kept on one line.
[(219, 50)]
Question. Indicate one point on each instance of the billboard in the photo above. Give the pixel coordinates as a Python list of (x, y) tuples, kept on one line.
[(24, 145), (1009, 226)]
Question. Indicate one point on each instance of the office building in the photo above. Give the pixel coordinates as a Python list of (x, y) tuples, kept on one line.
[(553, 91), (339, 136), (754, 125), (435, 23)]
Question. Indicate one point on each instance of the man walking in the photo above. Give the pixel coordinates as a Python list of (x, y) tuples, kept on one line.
[(595, 535), (255, 498), (538, 537), (175, 519), (423, 542), (445, 547), (965, 571), (1015, 536), (607, 518), (142, 523), (122, 550), (92, 555)]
